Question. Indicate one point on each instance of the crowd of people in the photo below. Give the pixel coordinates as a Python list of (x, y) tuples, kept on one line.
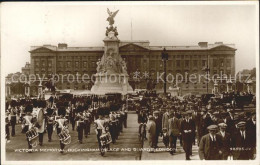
[(39, 116), (221, 131)]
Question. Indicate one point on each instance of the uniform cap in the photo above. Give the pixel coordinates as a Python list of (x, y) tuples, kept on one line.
[(212, 127), (189, 112), (150, 117), (222, 125), (241, 124)]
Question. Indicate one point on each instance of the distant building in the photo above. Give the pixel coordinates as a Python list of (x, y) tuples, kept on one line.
[(141, 59), (246, 81)]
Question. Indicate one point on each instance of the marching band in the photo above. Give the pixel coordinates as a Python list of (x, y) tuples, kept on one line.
[(42, 116)]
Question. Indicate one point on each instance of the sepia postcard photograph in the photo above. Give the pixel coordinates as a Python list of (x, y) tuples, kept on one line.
[(130, 82)]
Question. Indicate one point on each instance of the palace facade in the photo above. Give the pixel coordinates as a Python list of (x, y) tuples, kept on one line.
[(144, 65), (142, 60)]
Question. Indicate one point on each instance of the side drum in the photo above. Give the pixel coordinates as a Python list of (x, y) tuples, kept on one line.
[(105, 139)]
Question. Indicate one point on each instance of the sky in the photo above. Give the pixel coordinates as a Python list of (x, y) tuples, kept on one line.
[(84, 24)]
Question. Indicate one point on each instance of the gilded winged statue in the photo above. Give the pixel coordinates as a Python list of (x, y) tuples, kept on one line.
[(111, 16)]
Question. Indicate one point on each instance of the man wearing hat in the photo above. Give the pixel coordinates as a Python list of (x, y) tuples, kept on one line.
[(151, 131), (225, 141), (243, 144), (187, 130), (158, 122), (165, 119), (206, 121), (210, 145), (173, 130), (142, 118)]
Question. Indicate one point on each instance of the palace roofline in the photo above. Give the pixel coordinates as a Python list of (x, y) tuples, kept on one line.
[(142, 43)]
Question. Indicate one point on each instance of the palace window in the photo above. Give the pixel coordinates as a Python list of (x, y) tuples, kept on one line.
[(68, 64), (93, 64), (178, 63), (76, 64), (215, 63), (204, 64), (37, 63), (85, 64), (228, 62), (228, 72), (195, 63), (187, 63), (60, 64), (222, 62)]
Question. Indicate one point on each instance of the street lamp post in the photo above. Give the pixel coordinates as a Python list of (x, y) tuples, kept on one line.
[(207, 70), (164, 58)]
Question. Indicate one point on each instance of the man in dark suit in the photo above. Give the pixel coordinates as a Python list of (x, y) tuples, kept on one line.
[(210, 145), (197, 116), (158, 122), (225, 141), (187, 131), (142, 118), (251, 128), (243, 144), (173, 130), (205, 122), (230, 121)]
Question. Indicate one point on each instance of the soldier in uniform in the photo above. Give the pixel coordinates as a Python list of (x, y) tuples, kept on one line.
[(187, 131), (87, 122), (72, 116), (80, 124), (112, 127), (62, 124), (225, 141), (40, 120), (7, 124), (13, 120), (125, 111), (28, 121), (99, 124), (50, 122), (210, 145)]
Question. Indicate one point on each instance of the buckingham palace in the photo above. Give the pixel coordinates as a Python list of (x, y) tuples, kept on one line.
[(144, 64)]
